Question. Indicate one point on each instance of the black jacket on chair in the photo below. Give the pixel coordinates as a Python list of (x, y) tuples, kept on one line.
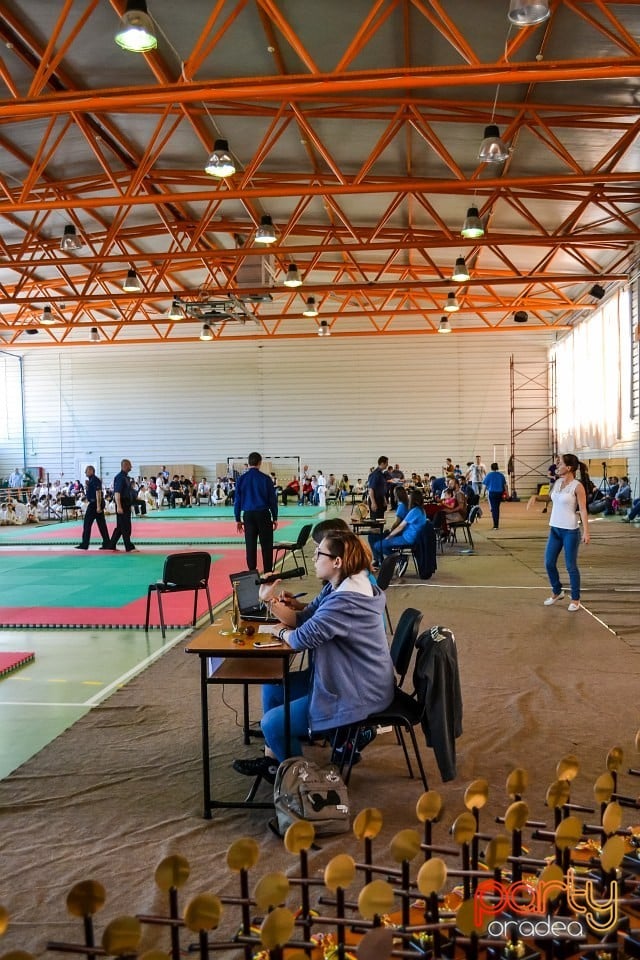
[(424, 550), (437, 683)]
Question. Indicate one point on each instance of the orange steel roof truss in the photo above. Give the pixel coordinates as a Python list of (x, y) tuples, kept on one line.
[(356, 127)]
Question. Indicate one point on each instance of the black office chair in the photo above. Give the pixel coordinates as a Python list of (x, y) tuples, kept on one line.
[(384, 578), (68, 508), (464, 525), (405, 712), (182, 571), (293, 547)]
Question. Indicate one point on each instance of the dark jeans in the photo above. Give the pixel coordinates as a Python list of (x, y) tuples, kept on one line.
[(139, 506), (569, 541), (89, 517), (495, 499), (258, 525), (122, 529)]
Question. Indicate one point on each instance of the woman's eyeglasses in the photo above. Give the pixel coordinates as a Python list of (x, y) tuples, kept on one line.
[(321, 553)]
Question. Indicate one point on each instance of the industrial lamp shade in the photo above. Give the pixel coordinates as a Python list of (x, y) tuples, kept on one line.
[(47, 318), (527, 13), (324, 329), (597, 292), (472, 227), (70, 240), (492, 148), (136, 32), (444, 325), (452, 305), (175, 311), (460, 273), (206, 333), (265, 232), (310, 310), (132, 282), (220, 164), (520, 316), (292, 278), (94, 336)]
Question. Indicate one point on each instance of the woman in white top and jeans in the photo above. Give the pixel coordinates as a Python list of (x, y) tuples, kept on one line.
[(568, 497)]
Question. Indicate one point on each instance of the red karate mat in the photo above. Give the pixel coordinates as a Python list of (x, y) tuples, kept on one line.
[(178, 607), (13, 661)]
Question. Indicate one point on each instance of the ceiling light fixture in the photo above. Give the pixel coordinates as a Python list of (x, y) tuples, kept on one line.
[(444, 325), (292, 278), (70, 240), (175, 311), (472, 227), (597, 292), (265, 232), (527, 13), (323, 329), (132, 282), (310, 310), (460, 273), (47, 318), (136, 32), (452, 305), (492, 148), (94, 336), (206, 333), (220, 164), (520, 316)]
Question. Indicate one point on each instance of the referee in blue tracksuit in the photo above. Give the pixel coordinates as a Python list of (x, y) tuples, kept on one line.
[(255, 506)]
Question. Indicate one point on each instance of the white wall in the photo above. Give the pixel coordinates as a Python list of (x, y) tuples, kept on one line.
[(337, 403)]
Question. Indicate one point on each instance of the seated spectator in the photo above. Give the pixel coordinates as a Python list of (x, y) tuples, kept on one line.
[(218, 495), (454, 502), (109, 503), (438, 486), (162, 489), (307, 490), (292, 490), (344, 487), (610, 495), (359, 487), (332, 487), (138, 503), (406, 532), (633, 516), (351, 675), (623, 496), (203, 491), (175, 491), (187, 490)]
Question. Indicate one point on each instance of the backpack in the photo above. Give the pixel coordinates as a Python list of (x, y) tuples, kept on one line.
[(305, 791), (360, 511), (475, 513)]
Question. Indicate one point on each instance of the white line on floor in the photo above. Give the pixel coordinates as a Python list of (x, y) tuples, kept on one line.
[(35, 703)]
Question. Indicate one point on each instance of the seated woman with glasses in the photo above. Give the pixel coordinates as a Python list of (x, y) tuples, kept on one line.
[(406, 532), (351, 672)]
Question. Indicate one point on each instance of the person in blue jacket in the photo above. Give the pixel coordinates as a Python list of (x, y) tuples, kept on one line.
[(351, 671), (495, 484), (407, 531)]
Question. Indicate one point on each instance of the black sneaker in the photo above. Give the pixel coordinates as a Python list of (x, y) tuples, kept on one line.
[(131, 549), (366, 735), (80, 546), (265, 767), (401, 567)]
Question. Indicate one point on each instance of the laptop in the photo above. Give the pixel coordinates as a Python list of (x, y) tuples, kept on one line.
[(251, 607)]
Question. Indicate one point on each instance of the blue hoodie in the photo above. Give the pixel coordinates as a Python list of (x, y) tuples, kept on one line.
[(352, 673)]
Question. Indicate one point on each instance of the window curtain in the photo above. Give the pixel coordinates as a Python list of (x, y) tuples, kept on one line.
[(593, 385)]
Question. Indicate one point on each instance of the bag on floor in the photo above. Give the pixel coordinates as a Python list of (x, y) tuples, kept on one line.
[(305, 791)]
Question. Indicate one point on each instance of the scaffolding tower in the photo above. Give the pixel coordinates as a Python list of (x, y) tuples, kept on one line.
[(533, 423)]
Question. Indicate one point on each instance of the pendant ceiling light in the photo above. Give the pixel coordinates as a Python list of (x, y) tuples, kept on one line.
[(265, 232), (94, 336), (323, 329), (70, 240), (206, 333), (527, 13), (452, 305), (292, 278), (521, 316), (136, 32), (492, 148), (460, 273), (47, 318), (310, 310), (220, 164), (175, 311), (472, 227), (444, 325), (132, 282)]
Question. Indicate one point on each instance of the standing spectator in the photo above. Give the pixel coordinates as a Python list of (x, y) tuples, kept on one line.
[(255, 506), (15, 479), (478, 472), (377, 487), (321, 489), (122, 497), (495, 484), (567, 496), (94, 511)]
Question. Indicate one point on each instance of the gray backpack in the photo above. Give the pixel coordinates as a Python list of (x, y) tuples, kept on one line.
[(305, 791)]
